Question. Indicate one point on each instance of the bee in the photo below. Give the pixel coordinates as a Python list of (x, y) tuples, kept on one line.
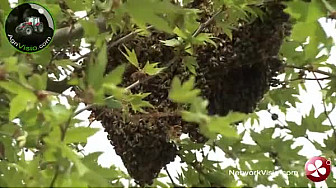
[(175, 132), (138, 75), (332, 15)]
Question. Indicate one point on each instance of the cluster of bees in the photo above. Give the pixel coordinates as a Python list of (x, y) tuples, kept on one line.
[(233, 76)]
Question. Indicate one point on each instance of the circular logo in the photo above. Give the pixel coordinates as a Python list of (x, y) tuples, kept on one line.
[(318, 169), (29, 27)]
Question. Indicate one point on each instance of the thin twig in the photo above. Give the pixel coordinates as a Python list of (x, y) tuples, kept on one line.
[(54, 57), (205, 24), (115, 43), (282, 125), (300, 78), (306, 137), (311, 70), (171, 178), (133, 85), (66, 126), (52, 184), (325, 107), (126, 37), (83, 109)]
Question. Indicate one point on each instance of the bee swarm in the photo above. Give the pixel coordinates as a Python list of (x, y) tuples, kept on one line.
[(233, 76)]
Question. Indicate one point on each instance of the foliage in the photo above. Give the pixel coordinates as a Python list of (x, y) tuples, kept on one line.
[(35, 118)]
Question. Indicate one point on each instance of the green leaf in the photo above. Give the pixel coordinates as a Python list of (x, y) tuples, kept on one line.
[(199, 105), (118, 93), (184, 35), (288, 50), (57, 114), (264, 138), (11, 64), (331, 183), (20, 102), (254, 118), (152, 12), (69, 153), (296, 130), (201, 38), (191, 64), (4, 5), (112, 103), (151, 68), (92, 158), (330, 143), (138, 103), (297, 9), (191, 177), (315, 124), (195, 117), (183, 93), (222, 125), (11, 152), (79, 5), (11, 87), (39, 82), (43, 57), (315, 33), (171, 42), (96, 69), (282, 96), (79, 134), (104, 175), (307, 15), (131, 57), (6, 48), (115, 77), (90, 28)]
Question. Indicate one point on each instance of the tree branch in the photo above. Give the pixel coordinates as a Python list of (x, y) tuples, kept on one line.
[(115, 43), (171, 178), (310, 70), (57, 86), (126, 37), (325, 107), (205, 24), (52, 184), (85, 108), (302, 78), (64, 35)]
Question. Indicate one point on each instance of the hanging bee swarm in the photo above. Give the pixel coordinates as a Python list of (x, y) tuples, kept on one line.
[(233, 76), (239, 72), (142, 142)]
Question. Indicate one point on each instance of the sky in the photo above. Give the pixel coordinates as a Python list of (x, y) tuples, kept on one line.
[(311, 97)]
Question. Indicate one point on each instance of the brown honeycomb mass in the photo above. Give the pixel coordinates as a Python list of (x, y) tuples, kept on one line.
[(233, 76)]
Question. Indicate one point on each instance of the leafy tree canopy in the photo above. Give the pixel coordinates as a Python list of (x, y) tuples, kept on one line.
[(150, 70)]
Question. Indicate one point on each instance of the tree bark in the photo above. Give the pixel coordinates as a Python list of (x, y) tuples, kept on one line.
[(65, 35)]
